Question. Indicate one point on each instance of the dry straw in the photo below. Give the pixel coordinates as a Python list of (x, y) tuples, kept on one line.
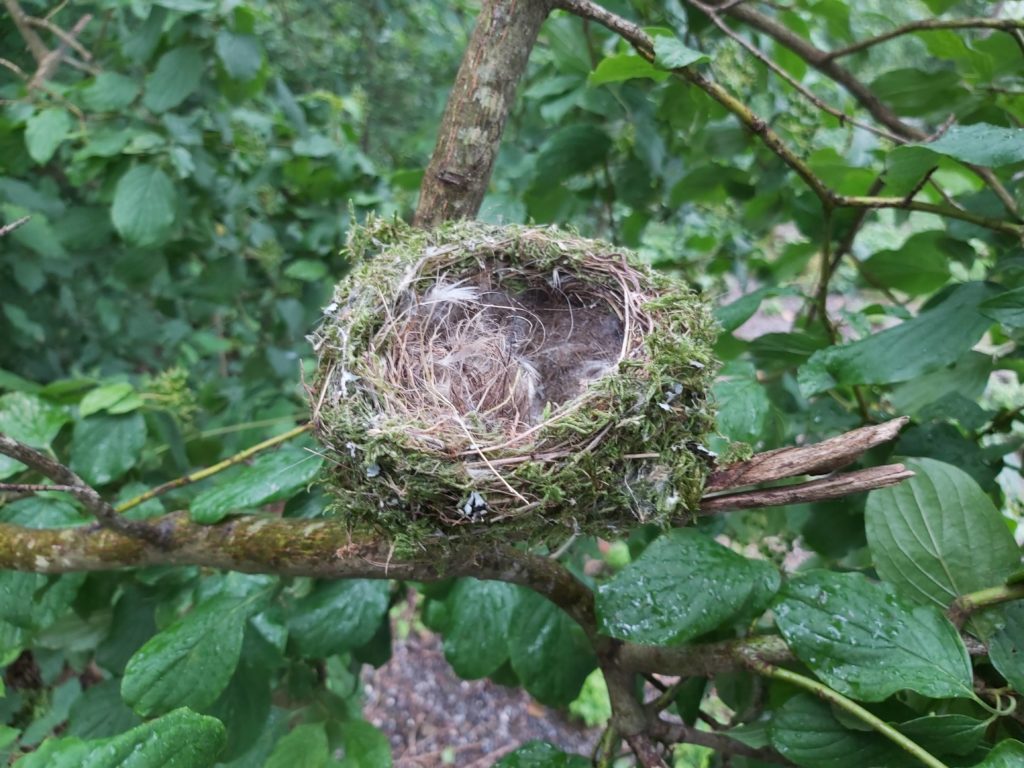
[(515, 382)]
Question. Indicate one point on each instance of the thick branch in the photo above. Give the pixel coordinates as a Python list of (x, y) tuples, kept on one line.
[(818, 459), (478, 107), (258, 544)]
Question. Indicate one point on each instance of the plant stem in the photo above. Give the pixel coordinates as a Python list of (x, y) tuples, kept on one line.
[(825, 693), (202, 474)]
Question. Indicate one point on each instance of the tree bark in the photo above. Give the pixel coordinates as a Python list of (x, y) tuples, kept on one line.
[(478, 107)]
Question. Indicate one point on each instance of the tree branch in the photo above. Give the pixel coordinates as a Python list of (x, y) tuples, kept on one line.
[(757, 53), (1006, 25), (35, 43), (6, 229), (817, 459), (825, 63), (834, 487), (644, 45), (478, 106), (81, 490), (206, 472), (680, 733)]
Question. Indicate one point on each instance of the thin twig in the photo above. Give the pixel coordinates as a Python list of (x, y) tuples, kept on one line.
[(6, 229), (29, 488), (1007, 25), (757, 53), (220, 466), (85, 493), (67, 39), (644, 45), (820, 60), (680, 733), (52, 60)]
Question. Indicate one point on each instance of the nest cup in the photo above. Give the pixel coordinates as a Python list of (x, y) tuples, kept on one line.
[(516, 382)]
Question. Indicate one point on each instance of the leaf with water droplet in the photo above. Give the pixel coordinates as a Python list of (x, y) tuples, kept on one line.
[(867, 642), (683, 585)]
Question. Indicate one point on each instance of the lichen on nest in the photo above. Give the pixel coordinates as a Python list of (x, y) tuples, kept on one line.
[(510, 381)]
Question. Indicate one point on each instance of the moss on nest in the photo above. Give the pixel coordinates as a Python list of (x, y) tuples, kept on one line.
[(510, 382)]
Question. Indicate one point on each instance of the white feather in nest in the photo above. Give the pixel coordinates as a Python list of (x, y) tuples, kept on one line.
[(502, 357)]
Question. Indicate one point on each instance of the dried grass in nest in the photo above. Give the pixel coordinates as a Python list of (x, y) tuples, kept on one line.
[(479, 375)]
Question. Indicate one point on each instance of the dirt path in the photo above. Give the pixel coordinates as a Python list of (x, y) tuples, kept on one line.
[(435, 719)]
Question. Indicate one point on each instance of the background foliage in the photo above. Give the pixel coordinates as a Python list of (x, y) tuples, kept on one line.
[(190, 188)]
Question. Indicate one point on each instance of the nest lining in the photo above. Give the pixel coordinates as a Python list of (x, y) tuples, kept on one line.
[(475, 363), (476, 375)]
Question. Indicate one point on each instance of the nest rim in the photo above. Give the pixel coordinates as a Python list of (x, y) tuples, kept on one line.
[(572, 432)]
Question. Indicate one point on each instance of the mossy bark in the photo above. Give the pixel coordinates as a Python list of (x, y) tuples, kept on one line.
[(477, 110)]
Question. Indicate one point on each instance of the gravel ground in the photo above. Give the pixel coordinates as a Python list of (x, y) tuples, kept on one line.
[(435, 719)]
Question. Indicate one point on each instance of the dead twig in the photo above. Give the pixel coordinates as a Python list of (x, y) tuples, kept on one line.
[(818, 459)]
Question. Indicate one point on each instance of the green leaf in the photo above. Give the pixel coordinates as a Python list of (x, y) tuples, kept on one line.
[(176, 76), (743, 404), (936, 337), (45, 131), (100, 712), (240, 54), (569, 151), (731, 316), (981, 144), (41, 512), (337, 616), (867, 642), (670, 53), (550, 653), (476, 638), (1006, 647), (946, 734), (31, 420), (118, 397), (103, 448), (683, 585), (966, 377), (271, 477), (179, 739), (110, 92), (191, 662), (805, 731), (365, 746), (925, 535), (1008, 753), (624, 66), (1006, 308), (34, 601), (304, 745), (919, 266), (540, 754), (307, 270), (143, 207)]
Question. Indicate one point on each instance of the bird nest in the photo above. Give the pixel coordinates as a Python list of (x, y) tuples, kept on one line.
[(516, 381)]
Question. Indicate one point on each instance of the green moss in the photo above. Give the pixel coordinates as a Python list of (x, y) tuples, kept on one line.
[(617, 455)]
